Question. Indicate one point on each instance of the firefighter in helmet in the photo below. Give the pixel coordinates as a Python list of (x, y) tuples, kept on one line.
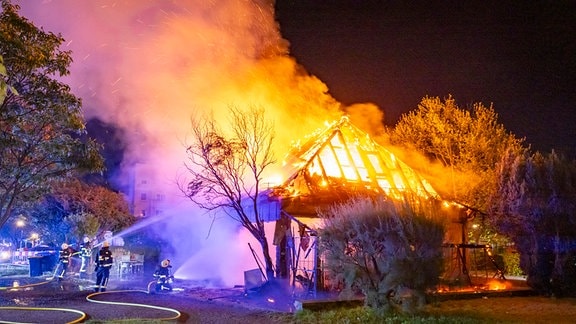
[(85, 255), (103, 264), (163, 276), (64, 259)]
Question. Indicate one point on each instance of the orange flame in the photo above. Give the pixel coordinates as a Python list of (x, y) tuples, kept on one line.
[(342, 151), (497, 284)]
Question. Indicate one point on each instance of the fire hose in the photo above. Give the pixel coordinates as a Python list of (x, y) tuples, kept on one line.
[(48, 280), (27, 286), (82, 317), (89, 298), (78, 320), (172, 310)]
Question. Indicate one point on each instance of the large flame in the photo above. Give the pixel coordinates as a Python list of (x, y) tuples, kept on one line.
[(147, 66), (344, 154)]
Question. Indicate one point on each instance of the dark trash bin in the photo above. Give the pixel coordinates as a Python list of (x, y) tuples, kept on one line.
[(44, 259), (48, 262), (35, 266)]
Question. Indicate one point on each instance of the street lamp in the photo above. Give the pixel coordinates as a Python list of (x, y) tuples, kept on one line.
[(20, 224), (34, 238)]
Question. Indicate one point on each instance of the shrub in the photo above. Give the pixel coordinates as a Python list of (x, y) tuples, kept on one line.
[(512, 263), (391, 252)]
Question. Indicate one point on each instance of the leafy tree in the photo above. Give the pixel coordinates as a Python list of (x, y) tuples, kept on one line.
[(83, 224), (47, 217), (227, 169), (534, 205), (390, 251), (4, 87), (113, 141), (468, 142), (41, 123), (83, 209)]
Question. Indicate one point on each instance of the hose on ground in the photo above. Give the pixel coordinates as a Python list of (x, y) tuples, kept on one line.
[(90, 299), (48, 280), (82, 317), (176, 312)]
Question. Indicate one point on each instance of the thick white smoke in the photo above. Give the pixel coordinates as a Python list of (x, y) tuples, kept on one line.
[(148, 65)]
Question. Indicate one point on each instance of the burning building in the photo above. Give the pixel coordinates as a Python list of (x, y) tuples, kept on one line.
[(333, 165), (342, 161)]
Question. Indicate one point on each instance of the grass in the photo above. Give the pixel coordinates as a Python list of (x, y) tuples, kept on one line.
[(127, 321), (466, 311), (480, 310), (519, 309), (363, 315)]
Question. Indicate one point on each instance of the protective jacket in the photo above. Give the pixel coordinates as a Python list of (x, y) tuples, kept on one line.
[(163, 276), (86, 250), (86, 255), (103, 265), (105, 259), (162, 271), (66, 254)]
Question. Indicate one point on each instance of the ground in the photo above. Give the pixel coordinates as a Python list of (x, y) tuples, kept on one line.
[(525, 309), (203, 304), (196, 304)]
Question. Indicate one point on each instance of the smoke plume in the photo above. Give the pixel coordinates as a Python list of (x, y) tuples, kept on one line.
[(147, 66)]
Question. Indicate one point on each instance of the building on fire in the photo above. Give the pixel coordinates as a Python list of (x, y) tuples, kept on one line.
[(335, 164)]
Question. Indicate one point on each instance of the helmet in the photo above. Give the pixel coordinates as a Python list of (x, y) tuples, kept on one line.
[(86, 239), (106, 244), (64, 246), (165, 263)]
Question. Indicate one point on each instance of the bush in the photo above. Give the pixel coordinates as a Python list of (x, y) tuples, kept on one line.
[(511, 260), (391, 252)]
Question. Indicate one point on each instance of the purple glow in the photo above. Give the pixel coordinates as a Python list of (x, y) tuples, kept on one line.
[(148, 66)]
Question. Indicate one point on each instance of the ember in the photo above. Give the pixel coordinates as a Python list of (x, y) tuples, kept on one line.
[(498, 285)]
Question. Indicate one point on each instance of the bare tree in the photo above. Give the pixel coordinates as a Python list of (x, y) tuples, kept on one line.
[(227, 169)]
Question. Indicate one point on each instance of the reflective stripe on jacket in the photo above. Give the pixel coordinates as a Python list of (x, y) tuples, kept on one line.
[(105, 258)]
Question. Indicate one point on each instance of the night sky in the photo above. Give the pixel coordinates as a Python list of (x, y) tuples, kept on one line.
[(519, 56)]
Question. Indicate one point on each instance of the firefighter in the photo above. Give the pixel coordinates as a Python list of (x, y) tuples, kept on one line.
[(85, 255), (64, 260), (103, 265), (163, 276)]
